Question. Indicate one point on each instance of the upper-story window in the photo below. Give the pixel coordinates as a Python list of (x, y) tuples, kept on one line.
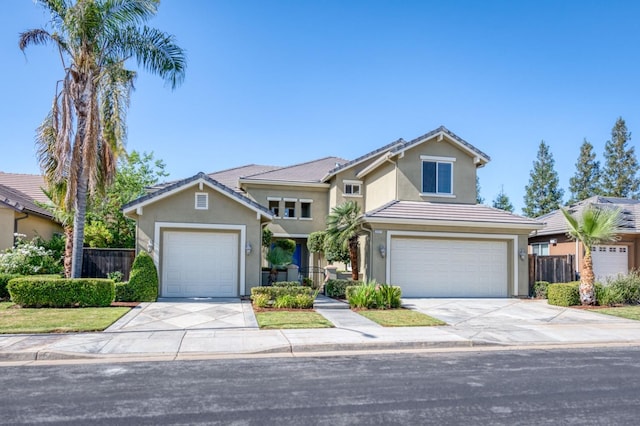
[(274, 206), (352, 188), (289, 209), (437, 175), (305, 209)]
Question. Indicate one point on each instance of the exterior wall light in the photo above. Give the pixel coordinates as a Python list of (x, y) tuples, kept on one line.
[(150, 246), (248, 249), (553, 241), (383, 250), (522, 253)]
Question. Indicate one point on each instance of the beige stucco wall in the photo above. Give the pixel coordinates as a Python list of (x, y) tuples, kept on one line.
[(376, 267), (6, 228), (381, 186), (223, 210), (293, 226), (410, 173), (29, 224)]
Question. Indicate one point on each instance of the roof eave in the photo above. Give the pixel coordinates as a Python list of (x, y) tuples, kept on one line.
[(283, 183), (432, 222)]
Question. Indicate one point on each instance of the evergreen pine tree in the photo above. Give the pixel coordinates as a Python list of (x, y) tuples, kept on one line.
[(585, 182), (502, 202), (619, 177), (479, 199), (543, 193)]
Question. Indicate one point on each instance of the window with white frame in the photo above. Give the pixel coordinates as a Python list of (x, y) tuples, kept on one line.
[(290, 209), (541, 249), (437, 175), (352, 188), (274, 206), (305, 209), (202, 201)]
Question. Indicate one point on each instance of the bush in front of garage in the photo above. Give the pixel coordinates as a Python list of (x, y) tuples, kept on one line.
[(620, 290), (540, 289), (143, 280), (564, 294), (55, 292), (4, 280), (337, 288)]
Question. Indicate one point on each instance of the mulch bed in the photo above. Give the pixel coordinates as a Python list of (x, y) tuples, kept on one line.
[(125, 304)]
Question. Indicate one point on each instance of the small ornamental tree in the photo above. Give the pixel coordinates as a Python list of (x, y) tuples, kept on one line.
[(143, 280), (343, 230)]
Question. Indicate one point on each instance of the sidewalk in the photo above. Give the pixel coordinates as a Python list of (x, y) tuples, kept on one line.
[(489, 323)]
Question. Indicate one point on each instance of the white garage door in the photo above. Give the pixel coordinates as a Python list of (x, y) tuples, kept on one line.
[(449, 268), (200, 264), (609, 261)]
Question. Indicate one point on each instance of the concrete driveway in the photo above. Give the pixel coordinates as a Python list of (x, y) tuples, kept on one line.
[(528, 321), (188, 314)]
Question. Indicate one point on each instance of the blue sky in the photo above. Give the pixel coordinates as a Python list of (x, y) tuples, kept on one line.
[(283, 82)]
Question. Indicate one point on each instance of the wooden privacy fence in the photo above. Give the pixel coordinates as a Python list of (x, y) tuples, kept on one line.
[(98, 262), (553, 269)]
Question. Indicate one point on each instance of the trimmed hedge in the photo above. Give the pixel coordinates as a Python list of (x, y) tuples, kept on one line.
[(284, 296), (286, 284), (4, 280), (338, 288), (143, 280), (124, 292), (540, 289), (40, 292), (274, 292), (564, 294)]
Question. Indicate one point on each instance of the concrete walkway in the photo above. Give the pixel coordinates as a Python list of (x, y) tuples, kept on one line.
[(182, 329)]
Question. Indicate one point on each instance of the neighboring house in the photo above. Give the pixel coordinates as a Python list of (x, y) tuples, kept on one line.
[(609, 259), (19, 211), (421, 227)]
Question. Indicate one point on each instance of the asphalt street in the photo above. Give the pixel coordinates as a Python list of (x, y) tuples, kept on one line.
[(491, 387)]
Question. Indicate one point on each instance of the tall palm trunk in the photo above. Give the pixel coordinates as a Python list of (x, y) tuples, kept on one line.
[(68, 250), (353, 258), (587, 280)]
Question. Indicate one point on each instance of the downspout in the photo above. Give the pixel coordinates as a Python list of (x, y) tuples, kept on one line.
[(15, 227), (369, 268)]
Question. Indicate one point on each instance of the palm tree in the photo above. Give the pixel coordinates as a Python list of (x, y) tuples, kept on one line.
[(94, 39), (343, 227), (594, 226)]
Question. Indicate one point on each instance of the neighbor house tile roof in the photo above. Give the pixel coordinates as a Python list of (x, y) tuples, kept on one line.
[(309, 172), (555, 223), (447, 213), (20, 201), (230, 177), (30, 185)]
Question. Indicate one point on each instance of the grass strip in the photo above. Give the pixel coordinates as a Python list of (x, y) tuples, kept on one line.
[(280, 319), (16, 320), (400, 318)]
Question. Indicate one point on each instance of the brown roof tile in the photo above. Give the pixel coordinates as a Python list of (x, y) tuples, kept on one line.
[(311, 171), (31, 185)]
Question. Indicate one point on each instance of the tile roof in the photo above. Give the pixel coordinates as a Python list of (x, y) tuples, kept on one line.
[(230, 177), (444, 212), (20, 201), (175, 185), (311, 171), (31, 185), (554, 222), (364, 157)]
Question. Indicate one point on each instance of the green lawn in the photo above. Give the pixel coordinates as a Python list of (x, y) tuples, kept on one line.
[(629, 312), (52, 320), (400, 318), (291, 319)]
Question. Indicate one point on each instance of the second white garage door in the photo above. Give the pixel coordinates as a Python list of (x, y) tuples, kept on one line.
[(200, 264), (609, 261), (449, 268)]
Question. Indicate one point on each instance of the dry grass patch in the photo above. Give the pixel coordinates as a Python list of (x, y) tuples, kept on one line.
[(628, 312), (277, 319), (16, 320), (400, 318)]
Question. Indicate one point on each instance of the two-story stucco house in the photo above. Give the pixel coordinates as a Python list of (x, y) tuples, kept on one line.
[(421, 226)]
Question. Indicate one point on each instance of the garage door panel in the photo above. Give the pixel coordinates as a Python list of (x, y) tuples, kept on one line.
[(426, 267), (200, 264), (609, 261)]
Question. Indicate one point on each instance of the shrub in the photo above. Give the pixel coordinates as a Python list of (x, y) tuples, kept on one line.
[(374, 296), (4, 279), (143, 280), (116, 276), (337, 288), (286, 284), (124, 292), (273, 292), (285, 301), (540, 289), (623, 289), (305, 301), (28, 258), (564, 294), (38, 291), (261, 300)]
